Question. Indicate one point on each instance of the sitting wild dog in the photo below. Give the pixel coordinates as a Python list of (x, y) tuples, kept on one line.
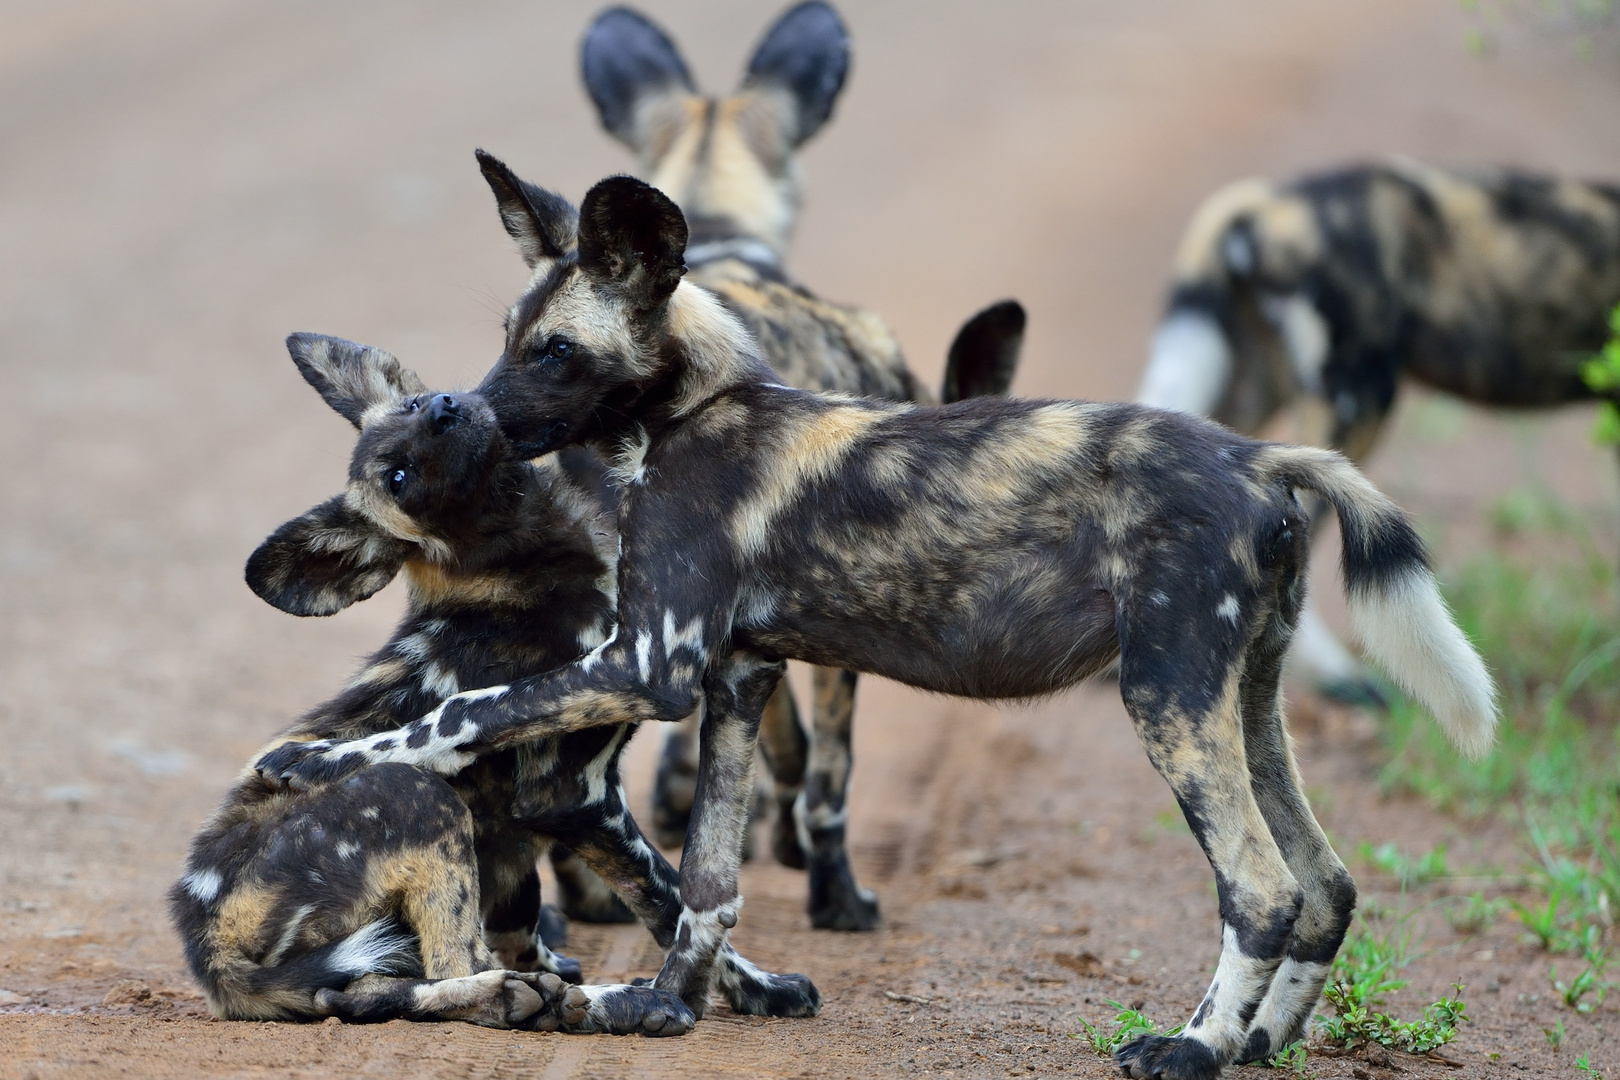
[(729, 163), (362, 899), (990, 548), (1320, 293)]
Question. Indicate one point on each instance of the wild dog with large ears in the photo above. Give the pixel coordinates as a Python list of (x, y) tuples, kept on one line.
[(363, 899), (990, 548), (814, 345)]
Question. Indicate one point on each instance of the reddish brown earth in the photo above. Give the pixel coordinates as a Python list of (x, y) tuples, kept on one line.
[(183, 183)]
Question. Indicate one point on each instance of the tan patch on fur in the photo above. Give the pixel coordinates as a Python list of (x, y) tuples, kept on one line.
[(719, 351), (366, 497), (584, 314), (807, 450), (426, 883), (432, 584), (1199, 255)]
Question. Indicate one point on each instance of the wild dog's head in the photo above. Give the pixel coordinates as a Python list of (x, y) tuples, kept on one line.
[(606, 333), (728, 162), (423, 473)]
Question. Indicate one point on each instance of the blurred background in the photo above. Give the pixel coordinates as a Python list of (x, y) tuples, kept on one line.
[(184, 182)]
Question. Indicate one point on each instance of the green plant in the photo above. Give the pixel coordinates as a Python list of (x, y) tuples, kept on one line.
[(1354, 1022), (1555, 1035), (1589, 981), (1602, 375), (1411, 870), (1474, 915), (1295, 1058), (1128, 1025), (1587, 1067)]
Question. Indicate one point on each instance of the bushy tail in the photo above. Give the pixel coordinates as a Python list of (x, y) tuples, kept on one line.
[(1395, 603), (239, 989), (985, 353)]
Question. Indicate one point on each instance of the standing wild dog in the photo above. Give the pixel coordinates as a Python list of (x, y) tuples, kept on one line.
[(1320, 293), (990, 548), (729, 163), (363, 899)]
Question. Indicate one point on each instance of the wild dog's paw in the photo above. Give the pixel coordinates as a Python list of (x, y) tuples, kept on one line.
[(302, 765), (837, 902), (623, 1010), (760, 993), (1160, 1057)]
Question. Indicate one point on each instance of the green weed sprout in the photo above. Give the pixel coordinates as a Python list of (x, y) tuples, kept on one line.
[(1602, 375)]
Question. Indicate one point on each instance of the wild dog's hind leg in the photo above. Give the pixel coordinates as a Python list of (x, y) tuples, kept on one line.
[(785, 746), (1179, 675), (495, 998), (1330, 893), (735, 692), (836, 902), (512, 929)]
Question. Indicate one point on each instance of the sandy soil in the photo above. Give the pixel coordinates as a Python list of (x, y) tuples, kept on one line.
[(183, 183)]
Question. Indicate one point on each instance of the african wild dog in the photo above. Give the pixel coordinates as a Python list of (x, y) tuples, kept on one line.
[(1321, 292), (729, 163), (288, 901), (991, 548)]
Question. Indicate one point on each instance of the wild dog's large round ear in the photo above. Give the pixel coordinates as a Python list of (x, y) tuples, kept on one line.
[(625, 58), (321, 562), (984, 354), (351, 377), (807, 54), (633, 239), (543, 224)]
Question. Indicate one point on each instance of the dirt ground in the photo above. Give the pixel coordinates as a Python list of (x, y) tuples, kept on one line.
[(184, 182)]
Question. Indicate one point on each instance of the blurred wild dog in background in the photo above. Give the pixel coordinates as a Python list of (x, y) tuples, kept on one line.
[(989, 548), (365, 899), (1318, 294), (729, 163)]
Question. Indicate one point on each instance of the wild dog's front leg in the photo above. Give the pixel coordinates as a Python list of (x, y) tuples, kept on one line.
[(837, 902), (512, 930), (736, 690), (615, 849), (1199, 751)]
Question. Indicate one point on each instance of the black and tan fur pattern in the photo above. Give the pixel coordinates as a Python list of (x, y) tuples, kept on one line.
[(1318, 294), (363, 899), (989, 548), (729, 163)]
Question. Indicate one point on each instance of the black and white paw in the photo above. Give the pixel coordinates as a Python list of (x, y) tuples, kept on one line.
[(302, 765), (621, 1010), (1163, 1057), (761, 993)]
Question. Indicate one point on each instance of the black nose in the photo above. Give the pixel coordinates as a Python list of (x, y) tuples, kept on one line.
[(443, 412)]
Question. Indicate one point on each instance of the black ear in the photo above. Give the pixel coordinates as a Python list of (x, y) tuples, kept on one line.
[(352, 378), (626, 56), (633, 238), (985, 353), (807, 54), (322, 562), (544, 225)]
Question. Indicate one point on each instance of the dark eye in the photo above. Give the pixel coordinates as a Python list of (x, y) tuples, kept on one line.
[(396, 482), (559, 348), (413, 406)]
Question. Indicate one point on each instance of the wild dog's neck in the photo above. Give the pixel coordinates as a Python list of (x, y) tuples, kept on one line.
[(709, 351), (527, 513), (729, 168)]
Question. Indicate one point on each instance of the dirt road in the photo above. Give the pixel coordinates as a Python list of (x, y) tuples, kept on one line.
[(183, 183)]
